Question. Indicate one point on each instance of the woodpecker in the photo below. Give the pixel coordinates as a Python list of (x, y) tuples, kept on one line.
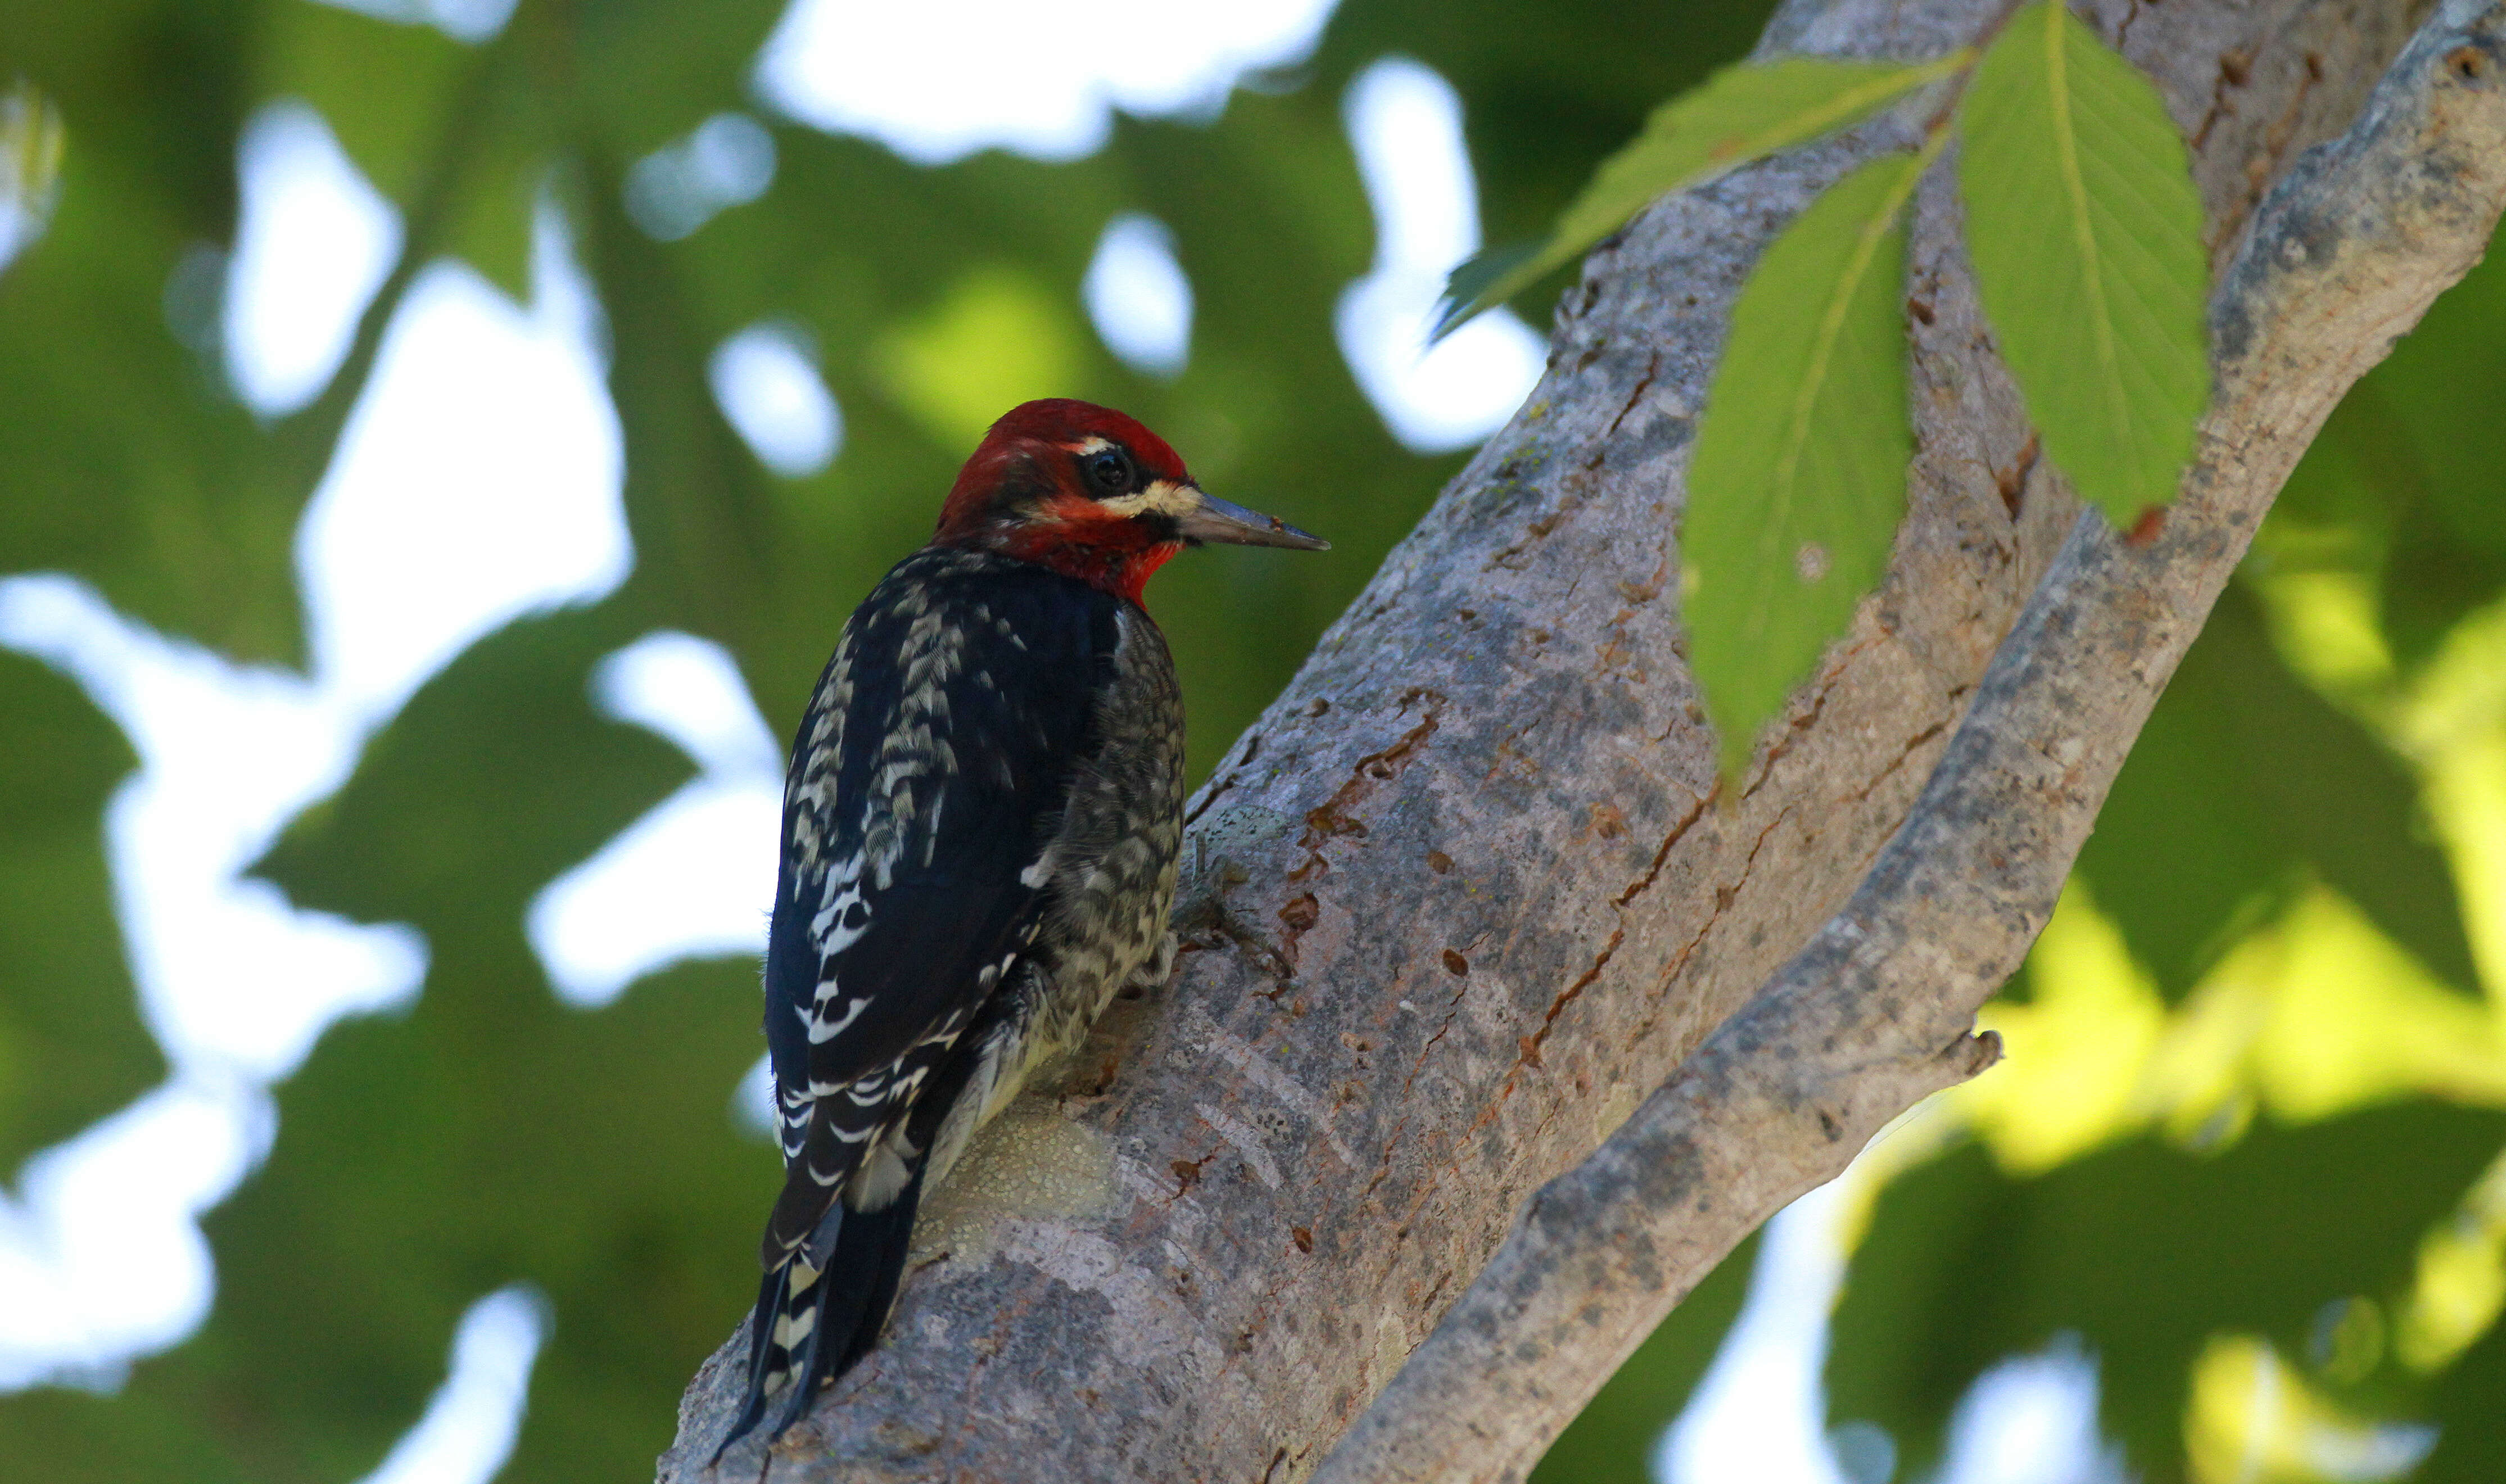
[(980, 831)]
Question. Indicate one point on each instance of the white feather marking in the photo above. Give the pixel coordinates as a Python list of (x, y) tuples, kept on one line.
[(830, 932), (821, 1029), (790, 1330), (883, 1173)]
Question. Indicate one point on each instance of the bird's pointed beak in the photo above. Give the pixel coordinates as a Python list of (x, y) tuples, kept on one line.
[(1217, 519)]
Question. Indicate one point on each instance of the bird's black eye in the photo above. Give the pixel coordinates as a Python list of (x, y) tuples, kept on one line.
[(1110, 471)]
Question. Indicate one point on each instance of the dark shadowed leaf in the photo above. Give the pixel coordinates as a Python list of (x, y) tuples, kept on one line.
[(123, 455), (72, 1045), (1740, 114), (2464, 1404), (1476, 283), (2243, 785), (2441, 385)]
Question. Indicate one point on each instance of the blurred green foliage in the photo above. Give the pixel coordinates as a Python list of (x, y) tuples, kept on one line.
[(2252, 1114), (72, 1048), (2318, 762), (492, 1133)]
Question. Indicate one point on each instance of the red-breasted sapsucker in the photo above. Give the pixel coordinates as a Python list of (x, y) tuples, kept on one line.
[(979, 832)]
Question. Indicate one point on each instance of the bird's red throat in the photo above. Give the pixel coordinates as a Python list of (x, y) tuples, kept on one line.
[(1111, 554)]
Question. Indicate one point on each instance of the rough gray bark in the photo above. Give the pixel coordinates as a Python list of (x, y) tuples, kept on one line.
[(1463, 897), (2341, 260)]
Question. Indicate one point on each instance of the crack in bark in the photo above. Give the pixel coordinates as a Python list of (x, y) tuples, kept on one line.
[(1829, 680), (2272, 156), (1331, 819), (1903, 753), (1869, 1016), (1209, 796), (1644, 384), (2012, 485), (1957, 574), (2236, 69)]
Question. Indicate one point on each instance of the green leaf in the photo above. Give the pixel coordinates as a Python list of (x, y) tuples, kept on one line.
[(2244, 783), (488, 224), (385, 89), (2085, 234), (72, 1047), (489, 1133), (2143, 1252), (2470, 1445), (2441, 385), (122, 458), (1481, 280), (1737, 115), (1800, 472)]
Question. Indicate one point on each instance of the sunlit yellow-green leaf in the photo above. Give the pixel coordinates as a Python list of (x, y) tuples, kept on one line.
[(2136, 1254), (997, 339), (1800, 472), (32, 139), (1738, 115), (2085, 234)]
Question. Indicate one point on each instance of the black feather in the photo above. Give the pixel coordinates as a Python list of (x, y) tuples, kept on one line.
[(927, 781)]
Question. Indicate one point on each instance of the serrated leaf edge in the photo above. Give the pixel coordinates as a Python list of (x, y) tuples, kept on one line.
[(1849, 106), (1831, 324), (2058, 90)]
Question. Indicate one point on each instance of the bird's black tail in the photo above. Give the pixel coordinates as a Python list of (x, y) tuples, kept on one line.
[(811, 1324)]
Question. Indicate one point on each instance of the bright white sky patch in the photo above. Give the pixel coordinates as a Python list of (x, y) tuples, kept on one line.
[(480, 479), (1757, 1413), (31, 142), (227, 753), (477, 478), (726, 161), (752, 1102), (101, 1257), (469, 1429), (765, 379), (1406, 124), (1137, 295), (471, 21), (1760, 1413), (939, 80), (314, 244), (2032, 1420), (695, 877)]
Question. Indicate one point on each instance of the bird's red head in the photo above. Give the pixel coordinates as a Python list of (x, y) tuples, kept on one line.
[(1090, 492)]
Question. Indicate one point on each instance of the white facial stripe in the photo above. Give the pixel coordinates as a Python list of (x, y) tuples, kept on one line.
[(1162, 498)]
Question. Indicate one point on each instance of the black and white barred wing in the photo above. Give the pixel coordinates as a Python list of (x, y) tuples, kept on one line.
[(925, 783)]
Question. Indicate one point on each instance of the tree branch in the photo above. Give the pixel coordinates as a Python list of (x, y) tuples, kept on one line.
[(1460, 899), (2342, 257)]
